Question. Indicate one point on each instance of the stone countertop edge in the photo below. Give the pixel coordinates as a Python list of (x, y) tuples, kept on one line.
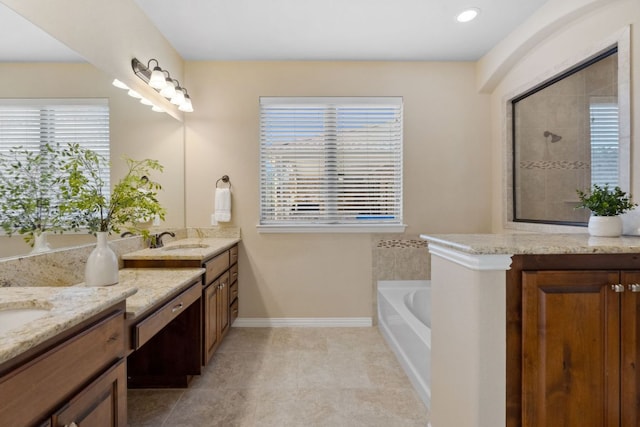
[(154, 285), (215, 245), (69, 307), (534, 243)]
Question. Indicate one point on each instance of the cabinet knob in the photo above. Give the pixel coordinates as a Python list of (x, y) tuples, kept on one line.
[(634, 287), (618, 288)]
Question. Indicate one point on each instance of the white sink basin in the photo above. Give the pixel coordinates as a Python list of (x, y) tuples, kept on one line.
[(185, 246), (13, 318)]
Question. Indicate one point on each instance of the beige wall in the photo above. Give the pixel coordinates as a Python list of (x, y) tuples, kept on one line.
[(552, 55), (446, 172), (135, 130)]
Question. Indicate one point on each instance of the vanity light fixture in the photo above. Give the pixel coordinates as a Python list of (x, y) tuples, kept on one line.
[(161, 81), (468, 14)]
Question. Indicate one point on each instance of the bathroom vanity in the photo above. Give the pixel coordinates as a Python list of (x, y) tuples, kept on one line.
[(535, 330), (219, 301), (68, 366)]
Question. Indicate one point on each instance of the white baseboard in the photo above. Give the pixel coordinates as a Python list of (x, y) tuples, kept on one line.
[(301, 322)]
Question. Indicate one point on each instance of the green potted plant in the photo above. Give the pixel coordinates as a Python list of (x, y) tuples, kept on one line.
[(606, 206), (132, 202), (32, 194)]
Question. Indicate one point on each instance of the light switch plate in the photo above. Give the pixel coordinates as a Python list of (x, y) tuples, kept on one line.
[(213, 219)]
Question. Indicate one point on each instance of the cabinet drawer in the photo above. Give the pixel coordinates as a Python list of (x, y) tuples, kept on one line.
[(233, 255), (216, 267), (36, 388), (233, 291), (233, 314), (233, 271), (102, 403), (147, 328)]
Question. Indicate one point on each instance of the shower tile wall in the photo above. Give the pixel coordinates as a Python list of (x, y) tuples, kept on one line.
[(548, 173)]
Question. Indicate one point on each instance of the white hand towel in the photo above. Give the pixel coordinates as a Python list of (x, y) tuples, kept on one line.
[(223, 205)]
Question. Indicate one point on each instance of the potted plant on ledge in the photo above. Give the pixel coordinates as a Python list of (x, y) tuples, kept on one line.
[(606, 206), (131, 203)]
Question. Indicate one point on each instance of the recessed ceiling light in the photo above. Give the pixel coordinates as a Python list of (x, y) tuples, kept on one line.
[(468, 14)]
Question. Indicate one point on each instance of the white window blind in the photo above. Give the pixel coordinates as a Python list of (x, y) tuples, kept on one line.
[(604, 142), (331, 161), (31, 124)]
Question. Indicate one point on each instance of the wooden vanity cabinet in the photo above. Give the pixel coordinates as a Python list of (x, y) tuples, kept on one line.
[(578, 332), (78, 377), (216, 319), (216, 301), (220, 301)]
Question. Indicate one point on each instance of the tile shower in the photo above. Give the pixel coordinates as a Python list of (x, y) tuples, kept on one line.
[(554, 132)]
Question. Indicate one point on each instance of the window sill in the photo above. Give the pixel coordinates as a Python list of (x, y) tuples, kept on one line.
[(333, 228)]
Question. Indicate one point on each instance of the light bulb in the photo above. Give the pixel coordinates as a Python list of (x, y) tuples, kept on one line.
[(186, 106), (145, 101), (157, 79), (134, 94), (169, 90), (178, 98), (157, 109), (468, 15), (117, 83)]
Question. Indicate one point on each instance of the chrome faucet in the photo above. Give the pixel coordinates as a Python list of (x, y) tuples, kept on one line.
[(156, 239)]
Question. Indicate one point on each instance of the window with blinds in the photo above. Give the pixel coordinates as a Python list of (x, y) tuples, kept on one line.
[(331, 162), (31, 124), (603, 114)]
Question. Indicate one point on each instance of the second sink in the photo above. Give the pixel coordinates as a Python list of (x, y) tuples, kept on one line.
[(185, 246)]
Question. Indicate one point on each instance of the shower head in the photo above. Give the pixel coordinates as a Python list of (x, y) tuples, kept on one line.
[(554, 137)]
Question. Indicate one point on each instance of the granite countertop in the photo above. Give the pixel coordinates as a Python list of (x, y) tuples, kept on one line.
[(68, 306), (534, 243), (193, 248), (154, 285)]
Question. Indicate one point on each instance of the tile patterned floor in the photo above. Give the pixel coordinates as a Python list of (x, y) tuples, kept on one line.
[(290, 377)]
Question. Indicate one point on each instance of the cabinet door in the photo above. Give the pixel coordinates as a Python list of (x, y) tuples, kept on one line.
[(571, 349), (101, 404), (223, 308), (210, 313), (630, 325)]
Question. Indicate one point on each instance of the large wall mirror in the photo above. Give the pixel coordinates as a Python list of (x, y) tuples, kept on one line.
[(566, 135), (135, 131)]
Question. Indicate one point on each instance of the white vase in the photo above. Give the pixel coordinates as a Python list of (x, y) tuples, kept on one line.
[(40, 243), (605, 226), (102, 264)]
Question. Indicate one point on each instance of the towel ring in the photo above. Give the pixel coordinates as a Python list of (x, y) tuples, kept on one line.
[(225, 179)]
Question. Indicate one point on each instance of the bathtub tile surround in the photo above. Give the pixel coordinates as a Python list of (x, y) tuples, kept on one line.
[(397, 257), (400, 258), (290, 376)]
